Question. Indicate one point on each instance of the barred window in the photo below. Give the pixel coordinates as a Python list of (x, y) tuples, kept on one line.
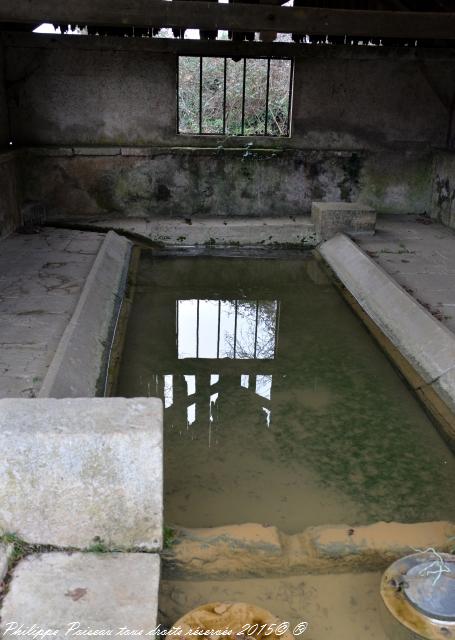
[(242, 97)]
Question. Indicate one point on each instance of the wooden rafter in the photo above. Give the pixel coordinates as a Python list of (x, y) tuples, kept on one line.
[(236, 17)]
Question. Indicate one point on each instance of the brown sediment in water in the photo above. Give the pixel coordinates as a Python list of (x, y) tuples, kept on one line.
[(235, 619), (257, 550), (345, 606), (318, 430)]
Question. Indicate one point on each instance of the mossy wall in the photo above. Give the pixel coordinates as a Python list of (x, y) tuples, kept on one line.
[(188, 182), (443, 196), (101, 117)]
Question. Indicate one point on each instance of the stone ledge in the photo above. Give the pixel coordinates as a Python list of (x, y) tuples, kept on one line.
[(96, 151), (105, 592), (425, 343), (211, 231), (79, 365), (76, 470)]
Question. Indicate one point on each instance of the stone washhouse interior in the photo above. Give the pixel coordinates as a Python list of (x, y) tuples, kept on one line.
[(227, 319)]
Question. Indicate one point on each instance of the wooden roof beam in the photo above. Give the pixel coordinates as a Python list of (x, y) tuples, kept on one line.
[(235, 17)]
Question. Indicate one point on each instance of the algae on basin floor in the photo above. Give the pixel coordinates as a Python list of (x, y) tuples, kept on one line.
[(279, 406)]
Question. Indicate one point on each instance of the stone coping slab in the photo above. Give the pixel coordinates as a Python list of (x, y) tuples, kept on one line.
[(425, 343), (74, 592), (76, 470), (79, 366), (344, 207), (215, 231)]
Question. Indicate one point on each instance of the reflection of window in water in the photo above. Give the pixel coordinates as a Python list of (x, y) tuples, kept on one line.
[(236, 329), (168, 391), (221, 329), (255, 385)]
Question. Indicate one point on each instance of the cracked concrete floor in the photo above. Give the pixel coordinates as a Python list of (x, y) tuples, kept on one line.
[(41, 278), (420, 255)]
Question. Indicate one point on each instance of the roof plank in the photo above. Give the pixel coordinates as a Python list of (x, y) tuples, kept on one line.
[(233, 16)]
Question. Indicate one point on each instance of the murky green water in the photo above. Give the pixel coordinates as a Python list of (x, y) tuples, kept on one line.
[(280, 407)]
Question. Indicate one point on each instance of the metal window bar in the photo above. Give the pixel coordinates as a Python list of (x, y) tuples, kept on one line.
[(291, 83), (218, 332), (243, 96), (178, 95), (200, 95), (267, 92), (277, 330), (223, 130), (256, 330), (197, 330), (224, 95), (235, 328), (234, 334)]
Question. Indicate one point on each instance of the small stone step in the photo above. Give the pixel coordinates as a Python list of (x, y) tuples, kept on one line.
[(68, 593), (353, 218)]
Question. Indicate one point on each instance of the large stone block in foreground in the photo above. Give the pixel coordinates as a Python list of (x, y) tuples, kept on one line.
[(353, 218), (78, 469), (59, 591)]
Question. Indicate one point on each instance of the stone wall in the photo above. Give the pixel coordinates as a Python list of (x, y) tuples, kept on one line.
[(443, 202), (147, 182), (119, 92), (9, 208), (74, 97), (372, 99), (365, 122), (4, 128), (9, 214)]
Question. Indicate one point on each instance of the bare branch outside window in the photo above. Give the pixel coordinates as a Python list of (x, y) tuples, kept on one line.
[(242, 97)]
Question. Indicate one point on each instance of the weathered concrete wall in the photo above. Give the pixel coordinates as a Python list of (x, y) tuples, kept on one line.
[(90, 97), (366, 101), (4, 127), (81, 92), (9, 214), (365, 121), (9, 209), (130, 182), (443, 202)]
